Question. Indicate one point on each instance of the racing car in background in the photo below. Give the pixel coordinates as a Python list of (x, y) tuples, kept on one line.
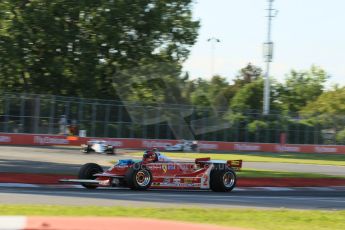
[(203, 173), (98, 146), (183, 145)]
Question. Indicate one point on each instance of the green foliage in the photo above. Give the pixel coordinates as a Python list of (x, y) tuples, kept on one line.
[(330, 102), (257, 125), (341, 137), (248, 97), (327, 110), (78, 48), (248, 74), (301, 87)]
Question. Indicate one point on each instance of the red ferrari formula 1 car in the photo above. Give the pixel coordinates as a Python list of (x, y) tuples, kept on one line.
[(156, 171)]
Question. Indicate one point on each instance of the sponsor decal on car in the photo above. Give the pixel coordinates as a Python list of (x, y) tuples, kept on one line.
[(154, 166), (176, 181), (171, 167), (204, 180), (188, 180), (166, 181), (164, 168)]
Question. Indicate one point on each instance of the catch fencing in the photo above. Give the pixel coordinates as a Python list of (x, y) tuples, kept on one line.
[(49, 114)]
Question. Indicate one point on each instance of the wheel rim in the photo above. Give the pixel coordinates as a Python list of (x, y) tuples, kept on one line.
[(143, 178), (228, 179)]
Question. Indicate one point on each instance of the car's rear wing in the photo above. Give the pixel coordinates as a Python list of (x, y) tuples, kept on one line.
[(235, 164)]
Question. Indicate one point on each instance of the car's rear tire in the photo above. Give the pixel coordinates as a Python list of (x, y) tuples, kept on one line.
[(86, 149), (138, 177), (222, 179), (110, 150), (87, 172)]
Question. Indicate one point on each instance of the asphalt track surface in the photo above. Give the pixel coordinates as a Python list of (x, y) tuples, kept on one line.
[(68, 161), (294, 199)]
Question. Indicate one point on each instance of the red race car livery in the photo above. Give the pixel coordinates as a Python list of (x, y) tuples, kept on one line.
[(203, 173)]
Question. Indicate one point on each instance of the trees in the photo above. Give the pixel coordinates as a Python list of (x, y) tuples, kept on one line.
[(327, 110), (301, 87), (83, 48), (330, 102)]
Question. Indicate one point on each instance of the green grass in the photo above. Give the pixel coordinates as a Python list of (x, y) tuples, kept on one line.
[(299, 158), (245, 218), (255, 173)]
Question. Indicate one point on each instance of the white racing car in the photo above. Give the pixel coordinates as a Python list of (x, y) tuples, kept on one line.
[(98, 146), (183, 145)]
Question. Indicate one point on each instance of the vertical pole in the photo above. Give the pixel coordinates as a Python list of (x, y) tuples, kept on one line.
[(157, 125), (119, 122), (267, 90), (7, 100), (144, 127), (37, 114), (213, 46), (52, 115), (93, 124), (268, 59), (106, 123), (80, 114), (22, 113)]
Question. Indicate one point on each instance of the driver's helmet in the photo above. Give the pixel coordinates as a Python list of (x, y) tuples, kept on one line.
[(150, 156), (155, 149)]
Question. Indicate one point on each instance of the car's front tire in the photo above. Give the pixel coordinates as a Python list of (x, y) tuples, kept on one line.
[(222, 179), (87, 172), (138, 177)]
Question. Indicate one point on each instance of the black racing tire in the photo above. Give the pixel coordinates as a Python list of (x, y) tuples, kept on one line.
[(110, 151), (86, 149), (222, 179), (138, 177), (87, 171)]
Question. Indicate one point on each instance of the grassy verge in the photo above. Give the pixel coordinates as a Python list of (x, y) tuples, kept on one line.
[(255, 173), (299, 158), (245, 218)]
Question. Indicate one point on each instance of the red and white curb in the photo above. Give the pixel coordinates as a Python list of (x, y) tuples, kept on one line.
[(96, 223), (12, 222), (273, 189)]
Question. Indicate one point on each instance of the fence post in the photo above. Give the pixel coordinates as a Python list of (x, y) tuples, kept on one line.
[(119, 121), (7, 100), (80, 114), (93, 123), (22, 113), (157, 125), (67, 109), (37, 114), (106, 126), (144, 127), (52, 115)]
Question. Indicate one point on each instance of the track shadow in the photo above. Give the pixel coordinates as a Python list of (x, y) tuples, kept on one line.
[(39, 167)]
